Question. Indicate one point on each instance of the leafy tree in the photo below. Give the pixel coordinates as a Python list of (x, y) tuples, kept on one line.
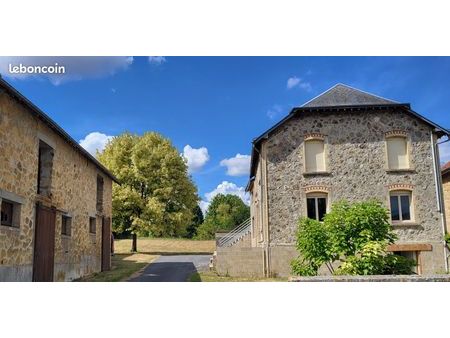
[(314, 243), (356, 235), (196, 221), (156, 196), (224, 213)]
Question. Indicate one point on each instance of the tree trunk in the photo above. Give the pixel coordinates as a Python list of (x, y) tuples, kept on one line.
[(134, 243)]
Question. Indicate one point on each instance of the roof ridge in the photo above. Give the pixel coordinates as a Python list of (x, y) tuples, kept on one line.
[(342, 94), (363, 91)]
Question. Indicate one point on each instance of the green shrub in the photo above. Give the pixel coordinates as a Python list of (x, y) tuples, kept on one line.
[(355, 234), (302, 268), (373, 259)]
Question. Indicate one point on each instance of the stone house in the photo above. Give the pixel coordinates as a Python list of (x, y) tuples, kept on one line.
[(343, 144), (55, 198), (446, 187)]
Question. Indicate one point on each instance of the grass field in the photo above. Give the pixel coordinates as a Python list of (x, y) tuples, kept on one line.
[(123, 266), (165, 246), (211, 276)]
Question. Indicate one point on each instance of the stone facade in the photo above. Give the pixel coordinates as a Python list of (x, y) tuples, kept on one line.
[(356, 161), (72, 193)]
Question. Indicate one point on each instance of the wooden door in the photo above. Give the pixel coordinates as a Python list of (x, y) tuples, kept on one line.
[(106, 244), (44, 244)]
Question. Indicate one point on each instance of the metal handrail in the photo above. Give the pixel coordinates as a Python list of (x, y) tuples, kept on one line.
[(236, 230), (235, 234)]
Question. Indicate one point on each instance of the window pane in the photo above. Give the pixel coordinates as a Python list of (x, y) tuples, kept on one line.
[(314, 156), (6, 213), (395, 215), (311, 205), (397, 154), (404, 200), (322, 207)]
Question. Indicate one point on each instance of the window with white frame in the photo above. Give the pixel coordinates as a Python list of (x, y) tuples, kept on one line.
[(401, 206), (314, 156), (397, 152), (316, 206)]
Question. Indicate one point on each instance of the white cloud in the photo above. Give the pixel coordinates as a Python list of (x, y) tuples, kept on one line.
[(156, 60), (196, 158), (204, 206), (274, 112), (225, 188), (94, 142), (237, 166), (76, 68), (444, 152), (295, 81)]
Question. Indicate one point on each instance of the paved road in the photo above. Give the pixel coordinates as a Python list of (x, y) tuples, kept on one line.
[(175, 268)]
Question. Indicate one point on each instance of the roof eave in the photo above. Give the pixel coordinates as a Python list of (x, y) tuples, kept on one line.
[(55, 127)]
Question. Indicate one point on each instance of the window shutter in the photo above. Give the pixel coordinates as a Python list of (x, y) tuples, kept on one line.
[(397, 153), (315, 156)]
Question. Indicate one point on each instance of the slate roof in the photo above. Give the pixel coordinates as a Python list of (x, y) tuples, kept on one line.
[(343, 95), (33, 109)]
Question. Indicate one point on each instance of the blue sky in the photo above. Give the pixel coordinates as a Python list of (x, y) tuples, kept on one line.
[(217, 105)]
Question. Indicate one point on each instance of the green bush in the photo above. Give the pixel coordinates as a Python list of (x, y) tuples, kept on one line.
[(357, 235), (302, 268), (373, 259)]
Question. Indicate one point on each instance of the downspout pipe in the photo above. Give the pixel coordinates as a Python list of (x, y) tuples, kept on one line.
[(438, 184)]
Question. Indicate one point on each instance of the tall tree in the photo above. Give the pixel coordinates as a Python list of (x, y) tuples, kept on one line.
[(156, 195), (196, 221), (224, 213)]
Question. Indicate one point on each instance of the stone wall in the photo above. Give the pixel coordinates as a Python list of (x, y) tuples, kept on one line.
[(357, 165), (73, 192), (239, 261)]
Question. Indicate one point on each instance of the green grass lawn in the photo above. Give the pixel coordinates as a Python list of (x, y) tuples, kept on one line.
[(123, 266), (165, 246), (211, 276)]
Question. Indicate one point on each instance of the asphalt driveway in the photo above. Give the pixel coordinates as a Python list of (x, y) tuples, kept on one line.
[(173, 268)]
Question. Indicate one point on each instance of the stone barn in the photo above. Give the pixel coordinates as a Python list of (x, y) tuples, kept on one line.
[(343, 144), (55, 198)]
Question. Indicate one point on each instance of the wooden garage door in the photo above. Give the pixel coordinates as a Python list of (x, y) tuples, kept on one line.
[(44, 244)]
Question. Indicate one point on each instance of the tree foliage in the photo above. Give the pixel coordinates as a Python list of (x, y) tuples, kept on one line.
[(195, 223), (224, 213), (156, 196), (357, 235)]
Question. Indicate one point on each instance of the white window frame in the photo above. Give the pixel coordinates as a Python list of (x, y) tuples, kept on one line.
[(316, 196), (398, 194)]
